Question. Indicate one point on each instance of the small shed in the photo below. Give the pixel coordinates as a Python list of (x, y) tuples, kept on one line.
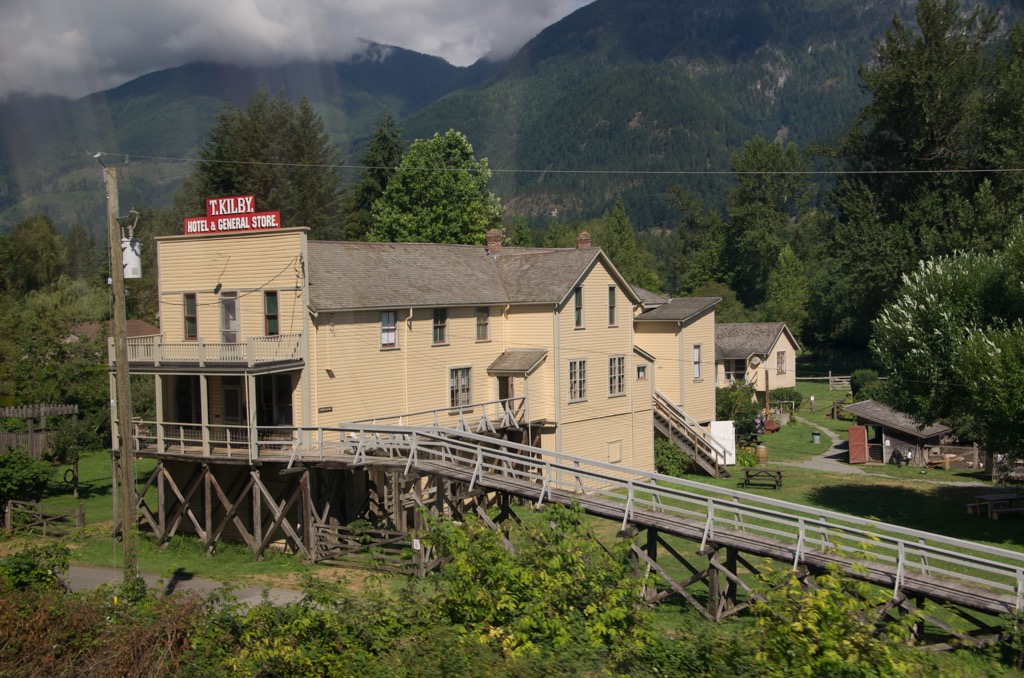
[(880, 432)]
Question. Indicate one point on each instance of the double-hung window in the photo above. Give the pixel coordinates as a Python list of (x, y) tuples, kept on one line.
[(612, 319), (459, 392), (617, 375), (440, 325), (577, 306), (577, 380), (696, 362), (191, 324), (271, 322), (780, 362), (483, 323), (389, 329)]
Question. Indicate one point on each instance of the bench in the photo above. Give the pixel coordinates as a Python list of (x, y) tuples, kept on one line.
[(996, 513), (991, 503), (762, 476)]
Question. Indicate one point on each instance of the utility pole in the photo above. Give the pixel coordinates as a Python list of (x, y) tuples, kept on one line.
[(122, 442)]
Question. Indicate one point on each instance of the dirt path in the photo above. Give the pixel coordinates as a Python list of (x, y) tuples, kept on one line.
[(834, 459), (88, 577)]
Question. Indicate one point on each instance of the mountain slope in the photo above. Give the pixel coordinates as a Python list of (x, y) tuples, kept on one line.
[(45, 144), (635, 86)]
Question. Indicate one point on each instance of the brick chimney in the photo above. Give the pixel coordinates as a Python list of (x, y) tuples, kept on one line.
[(494, 237), (583, 241)]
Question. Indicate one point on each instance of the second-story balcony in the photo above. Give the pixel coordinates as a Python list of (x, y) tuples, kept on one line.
[(153, 351)]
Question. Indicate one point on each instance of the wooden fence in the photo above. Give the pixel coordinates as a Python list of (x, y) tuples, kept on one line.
[(37, 440), (50, 520)]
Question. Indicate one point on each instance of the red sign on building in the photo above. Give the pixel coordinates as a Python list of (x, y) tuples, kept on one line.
[(234, 213)]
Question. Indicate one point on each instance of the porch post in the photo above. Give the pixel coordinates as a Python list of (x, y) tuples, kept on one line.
[(250, 408), (158, 385), (204, 412)]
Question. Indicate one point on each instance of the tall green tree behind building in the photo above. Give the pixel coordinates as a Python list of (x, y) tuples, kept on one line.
[(438, 194), (383, 155), (276, 151), (927, 155)]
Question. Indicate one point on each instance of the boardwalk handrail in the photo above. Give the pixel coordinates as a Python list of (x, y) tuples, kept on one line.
[(990, 576), (508, 412)]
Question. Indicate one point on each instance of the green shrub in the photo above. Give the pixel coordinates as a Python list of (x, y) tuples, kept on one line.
[(736, 403), (35, 567), (745, 458), (22, 478), (787, 394), (828, 630), (670, 460), (861, 379)]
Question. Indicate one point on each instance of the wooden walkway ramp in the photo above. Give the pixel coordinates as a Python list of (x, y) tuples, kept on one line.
[(731, 529), (706, 544)]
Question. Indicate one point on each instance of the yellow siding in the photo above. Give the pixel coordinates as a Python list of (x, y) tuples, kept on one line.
[(787, 378), (699, 394), (248, 263), (371, 382), (533, 327), (661, 339)]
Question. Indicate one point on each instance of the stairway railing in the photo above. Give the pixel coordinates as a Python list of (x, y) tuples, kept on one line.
[(703, 445)]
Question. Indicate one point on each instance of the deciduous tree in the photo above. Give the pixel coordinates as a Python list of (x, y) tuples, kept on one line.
[(438, 194)]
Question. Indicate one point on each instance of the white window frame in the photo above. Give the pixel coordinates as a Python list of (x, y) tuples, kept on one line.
[(388, 330), (780, 362), (616, 376), (577, 380), (460, 386), (696, 363)]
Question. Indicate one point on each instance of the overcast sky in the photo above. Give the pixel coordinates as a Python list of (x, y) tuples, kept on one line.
[(76, 47)]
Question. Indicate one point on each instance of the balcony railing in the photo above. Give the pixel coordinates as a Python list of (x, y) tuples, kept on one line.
[(153, 350)]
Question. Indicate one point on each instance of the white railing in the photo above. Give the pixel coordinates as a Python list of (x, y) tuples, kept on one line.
[(991, 577), (988, 578), (482, 417), (153, 350)]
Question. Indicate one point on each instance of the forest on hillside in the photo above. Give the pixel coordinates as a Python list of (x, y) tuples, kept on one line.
[(927, 169)]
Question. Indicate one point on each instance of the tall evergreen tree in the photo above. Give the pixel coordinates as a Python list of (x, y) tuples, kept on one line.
[(787, 293), (275, 151), (764, 213), (615, 235), (946, 105), (383, 155)]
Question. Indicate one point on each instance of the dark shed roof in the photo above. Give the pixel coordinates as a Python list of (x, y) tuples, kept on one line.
[(877, 413)]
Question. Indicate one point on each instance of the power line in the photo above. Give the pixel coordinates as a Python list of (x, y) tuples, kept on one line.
[(631, 172)]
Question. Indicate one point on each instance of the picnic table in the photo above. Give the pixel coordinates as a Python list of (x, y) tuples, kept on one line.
[(762, 476), (995, 505)]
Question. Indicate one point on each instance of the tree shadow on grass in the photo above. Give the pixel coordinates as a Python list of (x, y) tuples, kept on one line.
[(941, 509)]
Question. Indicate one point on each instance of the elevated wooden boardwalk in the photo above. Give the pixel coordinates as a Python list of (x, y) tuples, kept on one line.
[(917, 566)]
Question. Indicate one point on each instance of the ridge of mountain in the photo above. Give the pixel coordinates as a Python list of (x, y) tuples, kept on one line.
[(621, 97)]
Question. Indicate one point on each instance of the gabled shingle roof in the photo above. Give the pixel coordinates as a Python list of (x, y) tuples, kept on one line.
[(680, 310), (347, 275), (878, 413), (742, 340), (543, 276), (360, 275)]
